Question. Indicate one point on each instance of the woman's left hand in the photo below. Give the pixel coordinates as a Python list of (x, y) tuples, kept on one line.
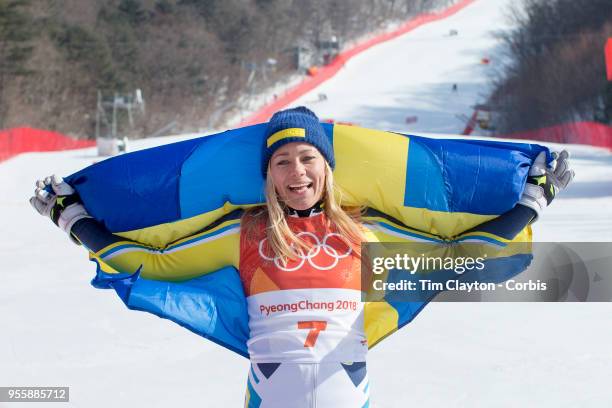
[(544, 182)]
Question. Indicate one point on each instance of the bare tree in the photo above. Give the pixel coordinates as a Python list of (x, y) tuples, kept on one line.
[(15, 49)]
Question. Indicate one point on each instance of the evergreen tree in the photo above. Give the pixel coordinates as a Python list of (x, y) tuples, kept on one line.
[(133, 11)]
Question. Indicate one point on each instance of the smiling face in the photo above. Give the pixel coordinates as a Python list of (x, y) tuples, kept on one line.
[(298, 174)]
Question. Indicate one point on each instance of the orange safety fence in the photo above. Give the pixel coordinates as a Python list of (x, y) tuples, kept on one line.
[(24, 139), (588, 133)]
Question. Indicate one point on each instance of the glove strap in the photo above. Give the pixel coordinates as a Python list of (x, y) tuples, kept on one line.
[(61, 203), (544, 182)]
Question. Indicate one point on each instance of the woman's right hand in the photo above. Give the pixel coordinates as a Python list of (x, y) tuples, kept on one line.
[(62, 204)]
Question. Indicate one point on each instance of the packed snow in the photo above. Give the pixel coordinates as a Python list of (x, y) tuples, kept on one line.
[(59, 331)]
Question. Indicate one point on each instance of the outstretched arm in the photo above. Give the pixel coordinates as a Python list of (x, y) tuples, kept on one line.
[(543, 184), (507, 226), (208, 250)]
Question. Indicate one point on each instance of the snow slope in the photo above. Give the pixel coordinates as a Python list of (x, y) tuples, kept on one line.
[(57, 330)]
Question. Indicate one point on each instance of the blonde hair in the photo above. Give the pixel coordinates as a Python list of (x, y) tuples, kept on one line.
[(282, 241)]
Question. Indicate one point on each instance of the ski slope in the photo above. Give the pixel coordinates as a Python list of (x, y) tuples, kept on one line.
[(59, 331)]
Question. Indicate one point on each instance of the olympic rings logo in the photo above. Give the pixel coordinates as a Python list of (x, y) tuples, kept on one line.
[(312, 252)]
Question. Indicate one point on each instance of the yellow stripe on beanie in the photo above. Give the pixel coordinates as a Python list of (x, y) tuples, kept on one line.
[(285, 133)]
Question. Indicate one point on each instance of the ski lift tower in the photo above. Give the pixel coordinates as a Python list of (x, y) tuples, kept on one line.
[(328, 49), (302, 57), (109, 142)]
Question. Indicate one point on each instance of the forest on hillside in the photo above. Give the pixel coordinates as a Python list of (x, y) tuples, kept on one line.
[(199, 62), (196, 62), (557, 72)]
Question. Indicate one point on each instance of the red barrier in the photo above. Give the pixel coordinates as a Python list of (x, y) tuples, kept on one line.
[(24, 139), (324, 73), (589, 133), (471, 124)]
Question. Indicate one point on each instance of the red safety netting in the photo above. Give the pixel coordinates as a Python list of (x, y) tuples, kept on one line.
[(24, 139), (589, 133), (322, 74)]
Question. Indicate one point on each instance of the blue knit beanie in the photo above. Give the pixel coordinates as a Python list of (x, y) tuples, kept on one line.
[(296, 125)]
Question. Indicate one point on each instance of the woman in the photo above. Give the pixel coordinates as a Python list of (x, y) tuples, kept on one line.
[(299, 262)]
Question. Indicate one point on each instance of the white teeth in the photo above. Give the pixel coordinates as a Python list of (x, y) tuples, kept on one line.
[(299, 187)]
